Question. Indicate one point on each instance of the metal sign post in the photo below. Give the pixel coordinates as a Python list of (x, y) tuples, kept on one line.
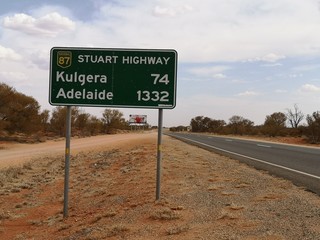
[(67, 162), (159, 154)]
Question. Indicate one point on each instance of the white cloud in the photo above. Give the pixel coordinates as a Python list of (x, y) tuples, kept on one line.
[(161, 11), (220, 30), (276, 64), (280, 91), (9, 54), (208, 31), (171, 11), (219, 75), (48, 25), (271, 58), (307, 67), (209, 71), (40, 58), (310, 88), (247, 93), (12, 76)]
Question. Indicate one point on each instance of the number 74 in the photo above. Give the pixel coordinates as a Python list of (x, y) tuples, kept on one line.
[(160, 79)]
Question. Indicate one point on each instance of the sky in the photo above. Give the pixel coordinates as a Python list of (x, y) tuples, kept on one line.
[(235, 57)]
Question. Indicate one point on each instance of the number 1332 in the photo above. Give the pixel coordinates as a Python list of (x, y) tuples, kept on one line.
[(154, 96)]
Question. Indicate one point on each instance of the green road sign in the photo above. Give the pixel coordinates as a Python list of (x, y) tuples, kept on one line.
[(137, 78)]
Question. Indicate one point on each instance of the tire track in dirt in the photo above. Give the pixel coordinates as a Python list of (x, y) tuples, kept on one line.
[(16, 154)]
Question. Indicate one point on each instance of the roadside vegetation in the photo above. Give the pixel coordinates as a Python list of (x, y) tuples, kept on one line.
[(21, 119), (283, 124)]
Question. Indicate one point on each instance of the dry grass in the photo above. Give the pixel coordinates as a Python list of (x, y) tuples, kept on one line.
[(165, 214), (116, 230), (178, 230), (112, 196)]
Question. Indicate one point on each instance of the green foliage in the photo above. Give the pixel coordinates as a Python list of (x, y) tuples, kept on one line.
[(275, 124), (313, 129), (95, 125), (205, 124), (21, 114), (197, 124), (18, 112), (179, 129), (58, 122), (112, 120), (239, 125), (58, 119), (44, 120), (6, 97)]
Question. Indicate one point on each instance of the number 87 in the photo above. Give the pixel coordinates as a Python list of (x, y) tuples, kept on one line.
[(64, 60)]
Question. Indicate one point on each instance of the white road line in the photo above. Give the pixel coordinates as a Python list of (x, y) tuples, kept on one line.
[(254, 159), (228, 140), (262, 145)]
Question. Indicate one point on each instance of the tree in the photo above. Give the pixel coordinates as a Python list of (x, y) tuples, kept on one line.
[(216, 126), (18, 112), (275, 124), (206, 122), (239, 125), (294, 116), (81, 123), (313, 128), (113, 119), (94, 125), (58, 119), (196, 124), (6, 97), (44, 119)]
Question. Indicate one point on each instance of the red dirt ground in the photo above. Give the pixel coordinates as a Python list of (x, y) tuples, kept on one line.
[(112, 194)]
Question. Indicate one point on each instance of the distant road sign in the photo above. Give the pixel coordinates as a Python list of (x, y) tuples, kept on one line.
[(137, 119), (137, 78)]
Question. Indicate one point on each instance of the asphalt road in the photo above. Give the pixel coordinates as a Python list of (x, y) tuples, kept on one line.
[(298, 164)]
